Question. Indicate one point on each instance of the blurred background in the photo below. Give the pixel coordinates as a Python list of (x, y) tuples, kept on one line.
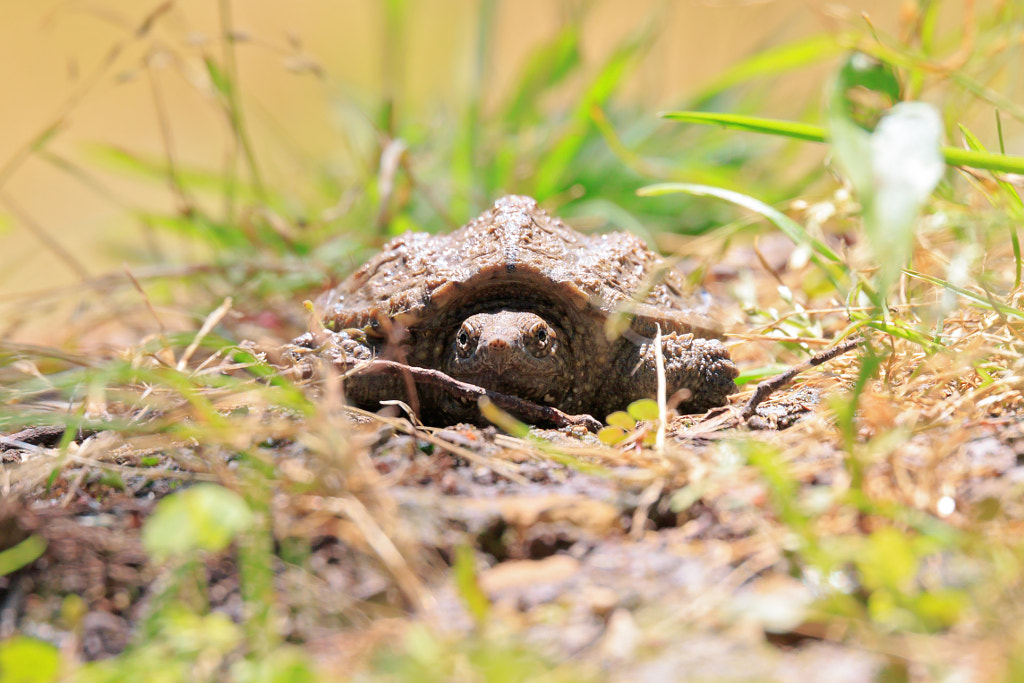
[(155, 133)]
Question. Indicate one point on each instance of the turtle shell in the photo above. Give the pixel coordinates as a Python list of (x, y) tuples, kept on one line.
[(514, 257)]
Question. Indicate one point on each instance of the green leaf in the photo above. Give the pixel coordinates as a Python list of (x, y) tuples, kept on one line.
[(622, 419), (888, 561), (26, 552), (782, 482), (220, 80), (280, 665), (466, 580), (203, 518), (611, 435), (112, 478), (27, 660), (190, 633), (941, 608), (644, 409), (750, 375), (865, 89)]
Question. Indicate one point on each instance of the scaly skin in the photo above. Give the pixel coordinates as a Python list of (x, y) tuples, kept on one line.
[(697, 371)]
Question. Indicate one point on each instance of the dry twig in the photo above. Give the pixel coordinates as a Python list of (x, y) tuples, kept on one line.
[(772, 384), (528, 410)]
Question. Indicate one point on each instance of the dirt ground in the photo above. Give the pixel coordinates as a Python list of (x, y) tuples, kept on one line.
[(634, 562)]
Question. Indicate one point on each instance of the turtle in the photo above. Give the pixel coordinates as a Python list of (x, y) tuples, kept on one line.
[(519, 303)]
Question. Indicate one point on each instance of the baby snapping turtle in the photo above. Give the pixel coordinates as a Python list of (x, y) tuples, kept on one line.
[(517, 302)]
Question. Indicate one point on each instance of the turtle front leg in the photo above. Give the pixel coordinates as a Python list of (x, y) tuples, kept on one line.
[(697, 369), (346, 353)]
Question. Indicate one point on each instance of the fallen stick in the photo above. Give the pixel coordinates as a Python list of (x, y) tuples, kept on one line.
[(769, 386), (43, 436), (528, 410)]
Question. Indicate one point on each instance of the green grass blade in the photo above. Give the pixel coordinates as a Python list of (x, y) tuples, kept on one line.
[(900, 330), (774, 61), (1016, 205), (789, 129), (467, 141), (980, 300), (547, 66), (150, 167), (225, 79), (988, 161), (552, 170), (787, 225)]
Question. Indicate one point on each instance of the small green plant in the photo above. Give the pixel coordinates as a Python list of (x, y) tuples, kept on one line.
[(622, 423), (27, 660)]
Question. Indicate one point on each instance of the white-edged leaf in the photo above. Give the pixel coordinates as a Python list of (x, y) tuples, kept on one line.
[(907, 164), (894, 170)]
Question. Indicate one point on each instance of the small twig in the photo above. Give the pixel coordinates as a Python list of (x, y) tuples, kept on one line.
[(528, 410), (211, 321), (232, 101), (145, 299), (773, 384), (659, 358), (85, 87), (390, 161), (7, 443), (185, 204), (48, 240), (379, 542), (407, 427), (648, 498), (43, 436)]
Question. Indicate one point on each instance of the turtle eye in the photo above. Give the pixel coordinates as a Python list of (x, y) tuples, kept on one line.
[(465, 338), (543, 336)]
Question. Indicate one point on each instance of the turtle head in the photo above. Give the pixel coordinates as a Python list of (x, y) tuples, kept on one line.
[(512, 352)]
